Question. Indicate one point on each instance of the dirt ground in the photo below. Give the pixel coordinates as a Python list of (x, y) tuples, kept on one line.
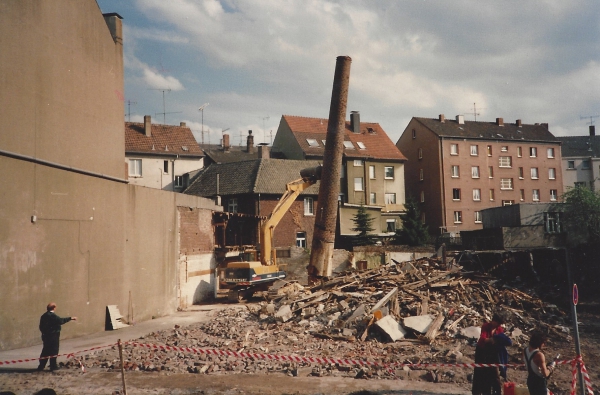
[(98, 380)]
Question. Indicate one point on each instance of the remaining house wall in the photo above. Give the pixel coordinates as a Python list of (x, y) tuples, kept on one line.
[(285, 143), (531, 237), (579, 174), (153, 175), (293, 221)]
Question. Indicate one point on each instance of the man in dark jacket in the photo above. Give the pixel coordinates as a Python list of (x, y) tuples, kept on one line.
[(50, 325)]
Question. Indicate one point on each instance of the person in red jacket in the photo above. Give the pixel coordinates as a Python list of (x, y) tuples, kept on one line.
[(50, 325), (486, 381)]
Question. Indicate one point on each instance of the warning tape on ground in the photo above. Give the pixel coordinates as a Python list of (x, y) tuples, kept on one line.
[(68, 355)]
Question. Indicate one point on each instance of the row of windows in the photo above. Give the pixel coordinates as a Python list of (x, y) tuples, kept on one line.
[(475, 172), (474, 150), (585, 164), (347, 144), (552, 222), (535, 195), (458, 217), (388, 171), (135, 170)]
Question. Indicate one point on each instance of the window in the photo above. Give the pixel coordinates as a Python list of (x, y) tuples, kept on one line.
[(506, 183), (420, 153), (453, 149), (308, 206), (489, 150), (552, 173), (505, 161), (348, 144), (492, 194), (343, 172), (389, 172), (550, 152), (414, 134), (358, 162), (390, 198), (421, 174), (391, 225), (178, 181), (477, 194), (312, 142), (361, 145), (553, 195), (458, 217), (536, 195), (570, 164), (372, 198), (422, 196), (552, 222), (522, 194), (135, 167), (535, 174), (358, 184), (533, 152), (521, 173), (166, 167), (477, 217), (585, 164), (508, 202), (474, 150), (232, 205), (474, 171), (456, 194), (371, 172), (504, 148), (519, 152), (301, 239), (491, 171), (455, 171)]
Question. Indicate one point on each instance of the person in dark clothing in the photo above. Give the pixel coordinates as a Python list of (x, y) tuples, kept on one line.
[(538, 372), (486, 381), (50, 325)]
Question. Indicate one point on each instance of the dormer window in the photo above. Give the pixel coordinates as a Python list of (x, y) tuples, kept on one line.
[(348, 144), (312, 142), (361, 145)]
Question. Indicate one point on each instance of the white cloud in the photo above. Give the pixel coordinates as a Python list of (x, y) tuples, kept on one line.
[(158, 81)]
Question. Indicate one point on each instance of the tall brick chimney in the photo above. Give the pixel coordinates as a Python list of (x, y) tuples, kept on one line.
[(263, 152), (500, 121), (442, 118), (148, 125), (519, 123), (355, 121), (250, 142), (226, 145)]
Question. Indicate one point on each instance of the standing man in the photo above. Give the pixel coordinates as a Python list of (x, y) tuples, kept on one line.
[(50, 325), (486, 381)]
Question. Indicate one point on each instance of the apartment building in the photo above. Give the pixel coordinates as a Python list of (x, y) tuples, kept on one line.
[(457, 168), (581, 160)]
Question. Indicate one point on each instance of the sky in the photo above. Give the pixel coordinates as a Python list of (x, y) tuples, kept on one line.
[(248, 62)]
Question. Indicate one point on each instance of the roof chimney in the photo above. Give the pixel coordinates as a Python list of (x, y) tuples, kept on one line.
[(263, 152), (355, 121), (250, 142), (442, 118), (519, 123), (592, 130), (460, 119), (182, 124), (500, 121), (545, 124), (147, 125), (226, 145)]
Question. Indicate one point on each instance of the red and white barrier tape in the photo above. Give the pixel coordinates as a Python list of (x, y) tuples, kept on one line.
[(586, 377), (69, 355)]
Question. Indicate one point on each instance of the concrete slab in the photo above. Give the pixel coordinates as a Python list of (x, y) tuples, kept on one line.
[(419, 323), (391, 328)]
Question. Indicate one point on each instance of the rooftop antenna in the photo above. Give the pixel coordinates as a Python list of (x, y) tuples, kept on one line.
[(201, 109), (475, 113), (129, 103), (164, 113), (264, 118), (271, 133), (591, 117)]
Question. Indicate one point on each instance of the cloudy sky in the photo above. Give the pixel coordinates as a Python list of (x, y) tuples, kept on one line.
[(255, 60)]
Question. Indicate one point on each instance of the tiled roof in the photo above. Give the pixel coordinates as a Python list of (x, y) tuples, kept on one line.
[(164, 139), (235, 154), (488, 130), (376, 142), (266, 176), (580, 146)]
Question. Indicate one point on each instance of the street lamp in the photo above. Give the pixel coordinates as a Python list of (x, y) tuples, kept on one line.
[(201, 109)]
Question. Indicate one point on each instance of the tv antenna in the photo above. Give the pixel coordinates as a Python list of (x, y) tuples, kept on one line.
[(164, 113), (264, 131), (591, 117), (475, 113), (201, 109), (129, 103)]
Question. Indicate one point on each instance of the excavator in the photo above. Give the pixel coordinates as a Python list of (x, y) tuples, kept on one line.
[(252, 274)]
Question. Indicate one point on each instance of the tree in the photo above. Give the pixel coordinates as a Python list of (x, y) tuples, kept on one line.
[(583, 211), (413, 232), (362, 224)]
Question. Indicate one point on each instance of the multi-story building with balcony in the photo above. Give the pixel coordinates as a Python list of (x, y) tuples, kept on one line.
[(457, 168)]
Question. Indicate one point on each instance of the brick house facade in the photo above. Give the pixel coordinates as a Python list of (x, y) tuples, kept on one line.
[(457, 168)]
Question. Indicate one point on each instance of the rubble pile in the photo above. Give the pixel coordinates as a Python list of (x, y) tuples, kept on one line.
[(412, 312)]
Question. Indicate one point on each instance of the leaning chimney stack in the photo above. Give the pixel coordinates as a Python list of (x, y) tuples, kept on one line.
[(355, 121), (148, 125), (182, 124), (250, 142)]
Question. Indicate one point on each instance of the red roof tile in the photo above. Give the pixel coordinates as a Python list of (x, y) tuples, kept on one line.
[(377, 143), (165, 139)]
